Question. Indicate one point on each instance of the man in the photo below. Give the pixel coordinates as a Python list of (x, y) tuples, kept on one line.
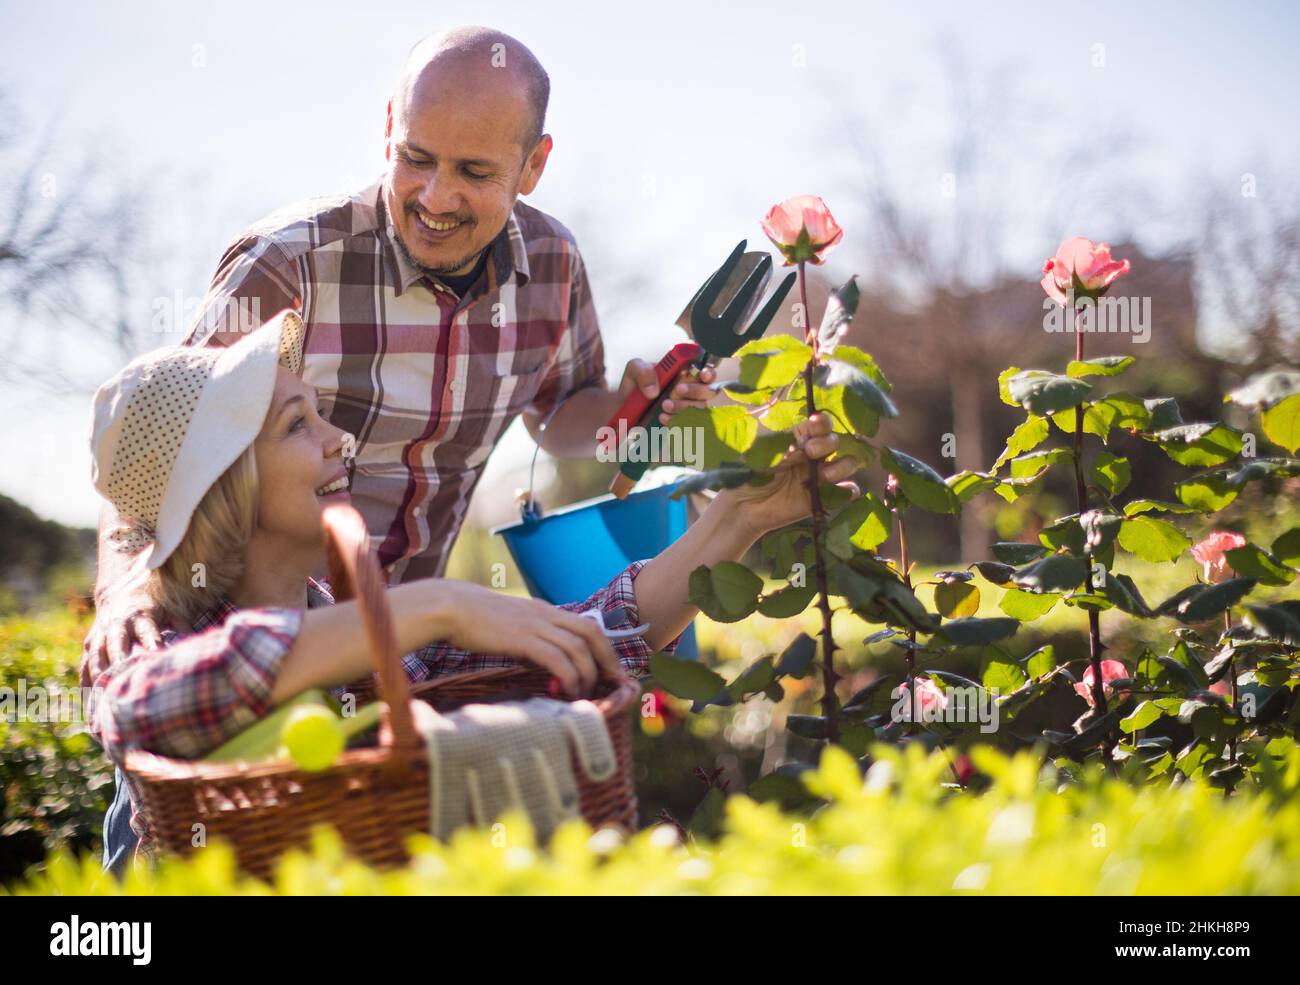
[(438, 307)]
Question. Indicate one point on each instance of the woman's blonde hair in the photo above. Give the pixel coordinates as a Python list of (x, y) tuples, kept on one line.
[(209, 560)]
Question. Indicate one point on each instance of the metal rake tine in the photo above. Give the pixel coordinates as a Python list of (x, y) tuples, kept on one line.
[(765, 315), (752, 286), (713, 286)]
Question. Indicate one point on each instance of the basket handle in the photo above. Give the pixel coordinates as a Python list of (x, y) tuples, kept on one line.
[(354, 573)]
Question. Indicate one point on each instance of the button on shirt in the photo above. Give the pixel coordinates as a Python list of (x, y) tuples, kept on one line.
[(425, 381)]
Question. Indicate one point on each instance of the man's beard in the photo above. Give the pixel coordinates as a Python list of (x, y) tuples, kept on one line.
[(446, 268)]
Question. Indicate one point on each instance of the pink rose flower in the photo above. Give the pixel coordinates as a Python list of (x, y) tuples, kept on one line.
[(1081, 258), (930, 700), (1210, 553), (802, 228), (1110, 670)]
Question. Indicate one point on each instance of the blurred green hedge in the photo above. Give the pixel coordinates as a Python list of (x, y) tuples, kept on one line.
[(899, 831)]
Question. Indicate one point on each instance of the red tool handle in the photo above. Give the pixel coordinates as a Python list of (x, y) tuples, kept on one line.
[(671, 366)]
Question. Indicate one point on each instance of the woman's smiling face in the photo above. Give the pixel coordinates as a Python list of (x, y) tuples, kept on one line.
[(300, 466)]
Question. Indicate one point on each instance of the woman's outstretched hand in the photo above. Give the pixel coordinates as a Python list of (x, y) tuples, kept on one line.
[(785, 499), (480, 620)]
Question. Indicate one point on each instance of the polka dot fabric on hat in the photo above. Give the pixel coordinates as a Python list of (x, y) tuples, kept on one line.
[(157, 416), (291, 340)]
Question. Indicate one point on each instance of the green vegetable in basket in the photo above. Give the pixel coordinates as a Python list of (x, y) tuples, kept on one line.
[(261, 740), (313, 736)]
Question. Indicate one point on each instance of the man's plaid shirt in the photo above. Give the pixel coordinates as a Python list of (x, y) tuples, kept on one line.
[(205, 687), (424, 381)]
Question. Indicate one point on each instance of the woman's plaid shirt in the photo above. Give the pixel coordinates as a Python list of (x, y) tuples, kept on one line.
[(205, 687)]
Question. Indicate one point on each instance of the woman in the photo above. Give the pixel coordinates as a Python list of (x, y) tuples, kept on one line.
[(224, 465)]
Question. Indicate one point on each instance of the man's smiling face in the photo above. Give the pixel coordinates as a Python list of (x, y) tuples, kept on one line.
[(457, 131)]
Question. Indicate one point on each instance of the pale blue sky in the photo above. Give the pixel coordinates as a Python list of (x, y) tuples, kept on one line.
[(676, 125)]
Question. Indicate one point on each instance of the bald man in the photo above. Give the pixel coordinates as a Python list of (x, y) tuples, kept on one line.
[(438, 307)]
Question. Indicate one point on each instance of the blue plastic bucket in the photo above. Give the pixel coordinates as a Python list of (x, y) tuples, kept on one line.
[(566, 555)]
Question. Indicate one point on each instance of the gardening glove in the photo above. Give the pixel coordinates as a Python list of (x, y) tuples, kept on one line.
[(487, 759)]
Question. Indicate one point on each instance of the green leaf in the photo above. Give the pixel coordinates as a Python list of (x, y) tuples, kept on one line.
[(1111, 472), (976, 632), (1067, 533), (782, 416), (1041, 661), (688, 679), (1125, 411), (1124, 594), (1156, 506), (921, 484), (754, 678), (863, 400), (1098, 418), (1012, 552), (728, 475), (1162, 414), (1035, 463), (876, 594), (966, 485), (773, 343), (1250, 561), (1089, 601), (787, 602), (728, 431), (1046, 393), (1099, 366), (767, 450), (1027, 436), (797, 657), (1287, 547), (1282, 423), (1100, 530), (706, 822), (1055, 573), (1197, 603), (1147, 713), (1152, 540), (995, 572), (1280, 621), (736, 587), (1199, 444), (1181, 656), (741, 393), (806, 726), (867, 521), (1000, 672), (1209, 492), (1027, 606), (875, 698), (955, 599), (1004, 381), (840, 308), (773, 368), (856, 357)]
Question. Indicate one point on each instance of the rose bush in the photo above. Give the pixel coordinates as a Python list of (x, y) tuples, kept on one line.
[(1150, 713)]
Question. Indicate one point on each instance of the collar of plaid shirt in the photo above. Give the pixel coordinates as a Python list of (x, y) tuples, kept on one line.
[(508, 254)]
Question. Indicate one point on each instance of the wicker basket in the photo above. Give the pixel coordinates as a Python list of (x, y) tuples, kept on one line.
[(375, 797)]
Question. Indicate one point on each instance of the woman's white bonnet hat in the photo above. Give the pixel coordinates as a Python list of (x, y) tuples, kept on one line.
[(166, 427)]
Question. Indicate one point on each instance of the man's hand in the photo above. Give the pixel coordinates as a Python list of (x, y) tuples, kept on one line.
[(120, 623), (571, 647), (687, 392)]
